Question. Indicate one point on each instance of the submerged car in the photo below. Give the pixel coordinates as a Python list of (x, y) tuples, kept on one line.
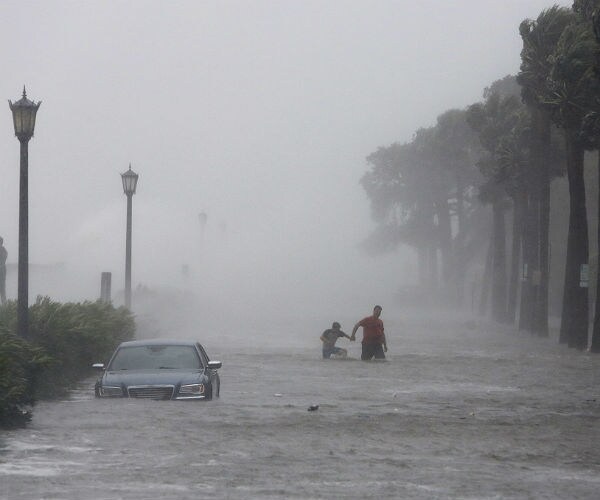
[(159, 369)]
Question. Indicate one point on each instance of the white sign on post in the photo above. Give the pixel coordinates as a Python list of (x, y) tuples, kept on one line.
[(584, 275)]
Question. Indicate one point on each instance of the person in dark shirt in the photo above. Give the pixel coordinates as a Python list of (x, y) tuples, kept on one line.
[(373, 343), (329, 338)]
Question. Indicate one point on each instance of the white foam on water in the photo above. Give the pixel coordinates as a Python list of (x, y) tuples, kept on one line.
[(20, 446), (26, 446), (449, 387), (38, 468)]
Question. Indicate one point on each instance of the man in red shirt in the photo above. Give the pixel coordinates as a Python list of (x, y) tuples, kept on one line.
[(373, 343)]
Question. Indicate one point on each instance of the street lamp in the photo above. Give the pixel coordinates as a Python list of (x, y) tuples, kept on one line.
[(24, 112), (129, 179)]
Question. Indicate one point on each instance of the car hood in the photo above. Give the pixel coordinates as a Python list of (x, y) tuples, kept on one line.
[(152, 377)]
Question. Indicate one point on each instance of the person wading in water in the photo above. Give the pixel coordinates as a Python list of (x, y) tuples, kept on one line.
[(373, 343), (329, 338)]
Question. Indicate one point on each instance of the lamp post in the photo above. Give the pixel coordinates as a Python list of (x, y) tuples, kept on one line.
[(24, 112), (129, 179)]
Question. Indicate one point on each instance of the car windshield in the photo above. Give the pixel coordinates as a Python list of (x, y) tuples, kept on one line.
[(156, 357)]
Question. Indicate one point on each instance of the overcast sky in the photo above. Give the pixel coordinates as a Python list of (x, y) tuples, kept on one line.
[(258, 113)]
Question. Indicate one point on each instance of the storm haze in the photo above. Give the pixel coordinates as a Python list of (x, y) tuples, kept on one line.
[(258, 114)]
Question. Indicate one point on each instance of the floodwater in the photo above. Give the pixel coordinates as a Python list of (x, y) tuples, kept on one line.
[(459, 410)]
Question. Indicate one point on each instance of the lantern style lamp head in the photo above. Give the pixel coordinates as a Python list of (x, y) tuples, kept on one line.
[(24, 112), (129, 179)]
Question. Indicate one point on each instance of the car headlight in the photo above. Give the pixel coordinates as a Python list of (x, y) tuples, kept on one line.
[(108, 391), (191, 390)]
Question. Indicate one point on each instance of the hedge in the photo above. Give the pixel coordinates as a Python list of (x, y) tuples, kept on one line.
[(64, 340)]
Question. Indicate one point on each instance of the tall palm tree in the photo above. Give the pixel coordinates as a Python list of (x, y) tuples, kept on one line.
[(540, 39), (419, 190), (398, 187), (493, 120), (456, 149), (572, 82), (513, 161), (512, 168), (589, 10)]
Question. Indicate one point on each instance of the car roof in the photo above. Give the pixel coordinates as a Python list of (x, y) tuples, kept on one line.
[(145, 342)]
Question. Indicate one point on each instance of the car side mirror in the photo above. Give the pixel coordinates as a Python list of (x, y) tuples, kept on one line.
[(98, 366), (214, 365)]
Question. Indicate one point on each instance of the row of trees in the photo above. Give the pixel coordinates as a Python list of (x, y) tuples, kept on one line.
[(447, 192)]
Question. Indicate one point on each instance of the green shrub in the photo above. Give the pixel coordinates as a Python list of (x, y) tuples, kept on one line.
[(64, 340), (76, 335), (20, 367)]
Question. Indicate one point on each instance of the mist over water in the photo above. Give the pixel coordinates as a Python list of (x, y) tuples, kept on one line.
[(259, 115)]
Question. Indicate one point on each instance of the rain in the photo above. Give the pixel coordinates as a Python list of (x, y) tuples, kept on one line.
[(252, 126)]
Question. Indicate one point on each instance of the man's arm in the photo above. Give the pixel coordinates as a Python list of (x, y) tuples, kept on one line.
[(384, 342), (353, 336)]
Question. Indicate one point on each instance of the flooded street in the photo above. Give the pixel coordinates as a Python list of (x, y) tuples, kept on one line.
[(459, 410)]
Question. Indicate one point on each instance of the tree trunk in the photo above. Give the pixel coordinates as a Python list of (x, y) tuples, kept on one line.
[(540, 316), (529, 250), (530, 285), (529, 263), (595, 346), (459, 245), (499, 263), (515, 255), (445, 239), (574, 320), (486, 282), (433, 268)]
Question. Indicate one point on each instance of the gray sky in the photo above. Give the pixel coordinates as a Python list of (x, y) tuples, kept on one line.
[(260, 113)]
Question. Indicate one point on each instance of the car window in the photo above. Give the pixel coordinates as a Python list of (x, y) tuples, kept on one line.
[(155, 357), (203, 354)]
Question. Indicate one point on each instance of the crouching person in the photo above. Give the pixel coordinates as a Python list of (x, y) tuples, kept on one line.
[(329, 338)]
